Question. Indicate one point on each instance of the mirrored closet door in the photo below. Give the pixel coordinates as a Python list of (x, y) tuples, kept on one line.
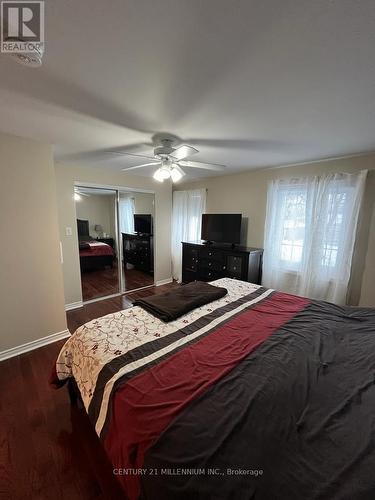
[(116, 240), (136, 223), (96, 212)]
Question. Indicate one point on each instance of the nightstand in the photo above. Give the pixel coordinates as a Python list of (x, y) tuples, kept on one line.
[(109, 241)]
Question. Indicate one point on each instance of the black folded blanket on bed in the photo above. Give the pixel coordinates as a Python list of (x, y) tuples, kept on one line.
[(170, 306)]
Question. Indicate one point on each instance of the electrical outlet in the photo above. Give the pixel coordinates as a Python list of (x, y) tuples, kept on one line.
[(68, 231)]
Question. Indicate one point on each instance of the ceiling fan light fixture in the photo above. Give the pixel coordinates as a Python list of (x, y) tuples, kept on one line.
[(157, 176), (176, 174), (170, 154), (161, 174), (165, 172)]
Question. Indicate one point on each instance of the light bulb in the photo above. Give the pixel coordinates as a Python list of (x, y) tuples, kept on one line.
[(175, 174), (158, 175), (165, 172)]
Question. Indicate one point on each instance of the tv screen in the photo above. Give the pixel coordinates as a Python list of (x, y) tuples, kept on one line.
[(222, 228), (142, 223)]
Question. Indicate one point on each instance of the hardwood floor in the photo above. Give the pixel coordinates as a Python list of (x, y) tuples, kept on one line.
[(137, 279), (48, 449), (104, 282), (99, 283)]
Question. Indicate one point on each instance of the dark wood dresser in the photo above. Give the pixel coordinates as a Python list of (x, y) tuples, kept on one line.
[(138, 251), (207, 262)]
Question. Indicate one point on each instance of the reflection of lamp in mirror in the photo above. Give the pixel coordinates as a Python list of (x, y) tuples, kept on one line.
[(99, 229)]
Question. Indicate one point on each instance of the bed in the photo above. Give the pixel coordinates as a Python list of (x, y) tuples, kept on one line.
[(93, 254), (258, 395)]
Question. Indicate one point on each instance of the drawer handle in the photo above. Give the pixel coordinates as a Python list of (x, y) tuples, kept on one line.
[(209, 253), (224, 267), (209, 274), (209, 263), (234, 267)]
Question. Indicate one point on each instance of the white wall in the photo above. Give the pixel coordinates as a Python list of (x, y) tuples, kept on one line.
[(97, 209), (31, 283), (66, 175), (144, 203), (246, 193)]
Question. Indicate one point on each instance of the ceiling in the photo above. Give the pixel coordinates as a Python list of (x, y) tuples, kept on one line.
[(249, 83)]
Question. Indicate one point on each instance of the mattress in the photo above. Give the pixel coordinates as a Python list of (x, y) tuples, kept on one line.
[(96, 248)]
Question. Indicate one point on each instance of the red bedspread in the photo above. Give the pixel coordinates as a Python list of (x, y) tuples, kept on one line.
[(96, 248)]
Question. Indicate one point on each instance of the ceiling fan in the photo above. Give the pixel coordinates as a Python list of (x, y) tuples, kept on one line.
[(169, 155)]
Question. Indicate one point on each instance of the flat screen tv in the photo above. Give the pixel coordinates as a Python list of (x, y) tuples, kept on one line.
[(221, 228), (143, 223)]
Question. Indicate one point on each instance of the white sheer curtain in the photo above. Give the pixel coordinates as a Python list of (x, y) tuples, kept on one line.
[(188, 207), (126, 214), (310, 231)]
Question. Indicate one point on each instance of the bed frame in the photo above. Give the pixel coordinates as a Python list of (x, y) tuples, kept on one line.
[(74, 394)]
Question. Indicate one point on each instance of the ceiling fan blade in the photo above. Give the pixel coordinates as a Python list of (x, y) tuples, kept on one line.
[(244, 144), (124, 153), (139, 147), (183, 152), (204, 166), (135, 148), (143, 165)]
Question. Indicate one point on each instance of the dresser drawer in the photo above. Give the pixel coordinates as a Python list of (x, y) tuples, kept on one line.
[(235, 266), (209, 275), (210, 264), (188, 276), (190, 258), (212, 254)]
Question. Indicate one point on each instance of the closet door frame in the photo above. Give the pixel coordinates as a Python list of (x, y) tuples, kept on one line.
[(118, 242)]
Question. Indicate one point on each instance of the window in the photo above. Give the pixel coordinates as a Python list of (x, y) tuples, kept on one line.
[(310, 232), (292, 208), (188, 207), (334, 212)]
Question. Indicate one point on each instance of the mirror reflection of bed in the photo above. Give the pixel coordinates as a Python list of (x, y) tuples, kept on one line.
[(115, 241)]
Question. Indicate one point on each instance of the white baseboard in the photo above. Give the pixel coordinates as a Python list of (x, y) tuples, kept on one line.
[(164, 282), (34, 344), (73, 305)]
